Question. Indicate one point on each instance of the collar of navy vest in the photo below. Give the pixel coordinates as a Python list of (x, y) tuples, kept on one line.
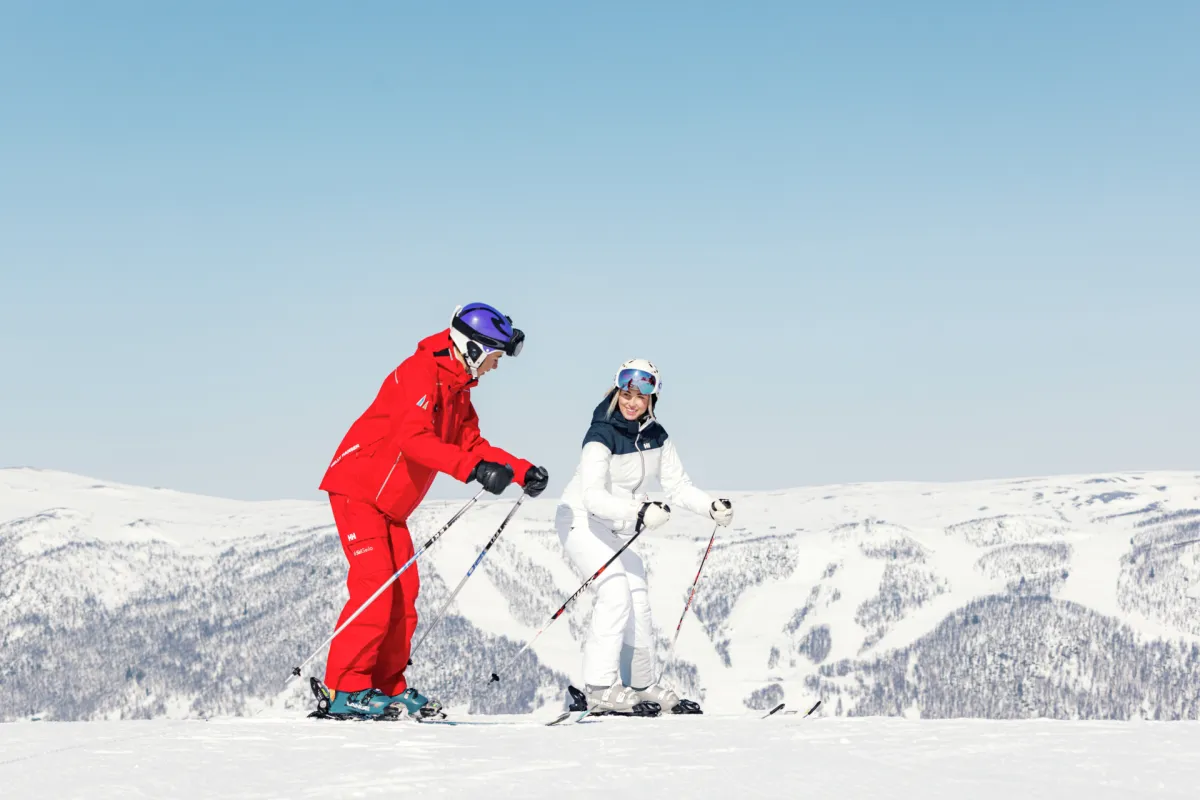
[(619, 434)]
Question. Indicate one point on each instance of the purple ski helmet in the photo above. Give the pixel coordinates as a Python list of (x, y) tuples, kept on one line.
[(478, 329)]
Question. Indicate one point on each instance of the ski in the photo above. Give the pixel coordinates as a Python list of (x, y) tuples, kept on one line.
[(467, 722), (584, 714), (809, 713), (780, 707), (566, 715), (325, 698), (575, 714), (507, 722)]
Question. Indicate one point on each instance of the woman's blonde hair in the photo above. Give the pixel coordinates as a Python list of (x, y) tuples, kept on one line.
[(614, 394)]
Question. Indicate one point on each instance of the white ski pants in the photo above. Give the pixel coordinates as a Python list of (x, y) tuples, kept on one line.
[(620, 641)]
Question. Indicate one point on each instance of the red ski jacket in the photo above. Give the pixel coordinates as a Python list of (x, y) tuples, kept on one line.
[(421, 423)]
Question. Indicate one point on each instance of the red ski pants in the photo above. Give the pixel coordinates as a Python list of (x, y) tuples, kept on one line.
[(373, 650)]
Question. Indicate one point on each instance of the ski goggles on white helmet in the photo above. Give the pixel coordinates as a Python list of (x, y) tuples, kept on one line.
[(644, 381)]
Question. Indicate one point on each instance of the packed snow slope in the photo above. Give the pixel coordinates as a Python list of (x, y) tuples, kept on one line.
[(1067, 597), (695, 757)]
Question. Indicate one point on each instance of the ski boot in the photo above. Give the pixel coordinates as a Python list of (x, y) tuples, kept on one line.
[(363, 704), (372, 704), (412, 703), (615, 700), (324, 696), (667, 698)]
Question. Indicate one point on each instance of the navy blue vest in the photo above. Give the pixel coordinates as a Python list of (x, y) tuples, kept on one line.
[(619, 434)]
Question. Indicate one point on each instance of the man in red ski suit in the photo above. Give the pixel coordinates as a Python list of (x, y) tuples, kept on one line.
[(422, 422)]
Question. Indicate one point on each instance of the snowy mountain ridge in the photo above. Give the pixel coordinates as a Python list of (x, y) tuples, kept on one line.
[(1072, 597)]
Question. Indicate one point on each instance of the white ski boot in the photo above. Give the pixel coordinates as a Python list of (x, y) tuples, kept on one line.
[(617, 699), (666, 698)]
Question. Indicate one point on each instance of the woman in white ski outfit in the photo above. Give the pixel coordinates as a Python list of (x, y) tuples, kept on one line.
[(625, 451)]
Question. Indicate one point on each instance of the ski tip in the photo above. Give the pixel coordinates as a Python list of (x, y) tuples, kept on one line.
[(816, 705), (774, 710)]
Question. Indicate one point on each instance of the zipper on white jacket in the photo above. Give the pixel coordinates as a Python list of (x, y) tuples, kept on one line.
[(642, 458)]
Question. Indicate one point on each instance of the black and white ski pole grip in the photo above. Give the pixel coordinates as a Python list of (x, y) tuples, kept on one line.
[(386, 584)]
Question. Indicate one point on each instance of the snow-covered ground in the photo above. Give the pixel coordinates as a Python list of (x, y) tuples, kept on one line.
[(1068, 597), (693, 757)]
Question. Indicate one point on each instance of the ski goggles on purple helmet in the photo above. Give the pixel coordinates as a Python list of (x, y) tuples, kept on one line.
[(488, 328), (645, 382)]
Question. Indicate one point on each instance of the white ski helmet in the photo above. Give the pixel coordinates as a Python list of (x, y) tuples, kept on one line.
[(640, 374)]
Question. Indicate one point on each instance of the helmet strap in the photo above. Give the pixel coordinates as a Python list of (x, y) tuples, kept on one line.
[(471, 366)]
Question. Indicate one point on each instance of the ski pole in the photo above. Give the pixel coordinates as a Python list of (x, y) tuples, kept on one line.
[(496, 676), (442, 613), (386, 584), (686, 606)]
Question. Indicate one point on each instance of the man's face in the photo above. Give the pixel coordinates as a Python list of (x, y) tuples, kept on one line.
[(490, 363)]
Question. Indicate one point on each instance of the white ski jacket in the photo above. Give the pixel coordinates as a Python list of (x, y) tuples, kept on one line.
[(621, 461)]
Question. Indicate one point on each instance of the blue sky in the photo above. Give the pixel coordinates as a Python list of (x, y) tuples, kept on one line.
[(864, 241)]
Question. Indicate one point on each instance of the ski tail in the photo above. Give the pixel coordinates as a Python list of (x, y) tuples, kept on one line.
[(780, 707), (323, 696)]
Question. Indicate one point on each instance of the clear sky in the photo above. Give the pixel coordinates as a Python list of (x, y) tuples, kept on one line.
[(863, 241)]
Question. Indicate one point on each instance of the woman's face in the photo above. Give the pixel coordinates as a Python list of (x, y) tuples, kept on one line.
[(633, 404)]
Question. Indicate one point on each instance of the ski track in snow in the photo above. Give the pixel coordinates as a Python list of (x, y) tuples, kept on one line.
[(698, 757)]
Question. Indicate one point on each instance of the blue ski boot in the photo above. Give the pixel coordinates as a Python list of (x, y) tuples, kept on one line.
[(363, 704), (417, 705)]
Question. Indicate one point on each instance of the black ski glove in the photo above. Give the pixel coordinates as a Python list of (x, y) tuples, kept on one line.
[(494, 477), (536, 480)]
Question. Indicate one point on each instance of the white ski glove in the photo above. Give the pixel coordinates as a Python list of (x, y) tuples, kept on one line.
[(653, 515), (721, 512)]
